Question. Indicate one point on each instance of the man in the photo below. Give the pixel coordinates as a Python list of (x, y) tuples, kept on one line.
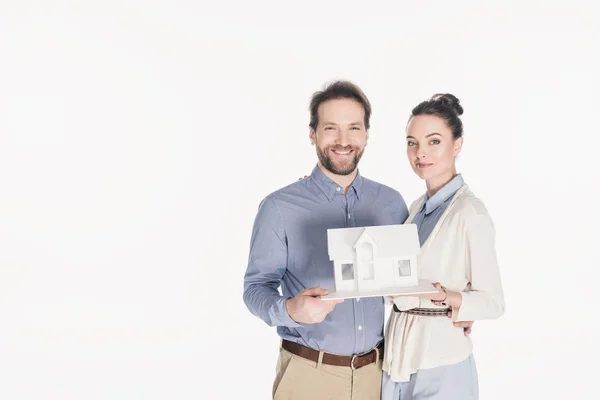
[(330, 349)]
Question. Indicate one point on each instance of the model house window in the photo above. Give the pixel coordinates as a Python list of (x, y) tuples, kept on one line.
[(404, 267), (347, 272), (368, 262)]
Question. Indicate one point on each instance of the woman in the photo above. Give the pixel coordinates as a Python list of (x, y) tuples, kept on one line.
[(426, 355)]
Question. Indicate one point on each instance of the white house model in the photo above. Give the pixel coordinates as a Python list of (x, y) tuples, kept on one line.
[(375, 261)]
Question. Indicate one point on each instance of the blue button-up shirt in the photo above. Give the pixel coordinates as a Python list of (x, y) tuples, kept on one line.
[(289, 248), (434, 207)]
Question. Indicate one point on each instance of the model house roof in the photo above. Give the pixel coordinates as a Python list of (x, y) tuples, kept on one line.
[(391, 241)]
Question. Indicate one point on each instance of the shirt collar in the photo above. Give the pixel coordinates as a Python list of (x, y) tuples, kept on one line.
[(330, 188), (446, 192)]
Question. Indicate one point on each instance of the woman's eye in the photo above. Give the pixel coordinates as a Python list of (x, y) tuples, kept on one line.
[(411, 144), (435, 141)]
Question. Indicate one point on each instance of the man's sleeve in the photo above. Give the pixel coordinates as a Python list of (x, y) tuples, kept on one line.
[(267, 263), (399, 209)]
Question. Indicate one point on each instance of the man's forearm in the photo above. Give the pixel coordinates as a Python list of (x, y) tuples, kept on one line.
[(267, 304)]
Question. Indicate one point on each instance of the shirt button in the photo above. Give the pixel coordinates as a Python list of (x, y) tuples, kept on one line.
[(360, 327), (348, 216), (338, 188), (358, 300)]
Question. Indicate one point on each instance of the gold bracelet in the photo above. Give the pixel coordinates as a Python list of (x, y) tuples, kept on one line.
[(441, 302)]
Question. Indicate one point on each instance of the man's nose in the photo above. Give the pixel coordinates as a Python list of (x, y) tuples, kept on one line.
[(344, 138)]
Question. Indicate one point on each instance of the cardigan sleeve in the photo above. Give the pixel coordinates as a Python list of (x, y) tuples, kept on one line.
[(484, 298)]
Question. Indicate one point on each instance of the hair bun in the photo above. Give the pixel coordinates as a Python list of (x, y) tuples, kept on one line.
[(448, 100)]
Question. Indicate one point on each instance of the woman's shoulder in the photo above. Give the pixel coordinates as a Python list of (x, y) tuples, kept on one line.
[(469, 205), (416, 204)]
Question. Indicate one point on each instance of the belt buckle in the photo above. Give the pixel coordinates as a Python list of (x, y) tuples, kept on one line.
[(374, 349), (358, 355), (352, 367)]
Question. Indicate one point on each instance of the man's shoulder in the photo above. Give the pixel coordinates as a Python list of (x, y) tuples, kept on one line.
[(380, 188), (288, 192)]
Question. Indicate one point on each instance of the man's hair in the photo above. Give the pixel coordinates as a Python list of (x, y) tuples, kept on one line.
[(338, 90)]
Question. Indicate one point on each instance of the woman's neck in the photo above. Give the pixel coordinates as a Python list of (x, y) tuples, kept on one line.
[(435, 184)]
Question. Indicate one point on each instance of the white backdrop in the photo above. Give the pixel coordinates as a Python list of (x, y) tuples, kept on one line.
[(138, 138)]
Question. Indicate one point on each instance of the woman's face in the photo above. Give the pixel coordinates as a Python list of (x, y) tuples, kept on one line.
[(431, 149)]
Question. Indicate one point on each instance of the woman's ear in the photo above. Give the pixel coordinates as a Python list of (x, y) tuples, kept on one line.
[(458, 143)]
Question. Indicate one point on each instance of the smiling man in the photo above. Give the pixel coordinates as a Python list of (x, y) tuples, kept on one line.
[(329, 349), (342, 137)]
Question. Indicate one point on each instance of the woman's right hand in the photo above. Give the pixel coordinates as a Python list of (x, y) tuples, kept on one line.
[(466, 325)]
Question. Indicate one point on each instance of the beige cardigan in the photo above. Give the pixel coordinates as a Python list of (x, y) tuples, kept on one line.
[(460, 254)]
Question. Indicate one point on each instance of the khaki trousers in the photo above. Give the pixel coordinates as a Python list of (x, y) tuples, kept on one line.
[(299, 379)]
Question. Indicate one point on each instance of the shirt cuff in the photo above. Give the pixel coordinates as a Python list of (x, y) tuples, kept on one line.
[(282, 315), (456, 311)]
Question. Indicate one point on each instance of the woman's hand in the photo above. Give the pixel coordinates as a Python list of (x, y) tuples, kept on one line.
[(443, 296), (466, 325), (440, 296)]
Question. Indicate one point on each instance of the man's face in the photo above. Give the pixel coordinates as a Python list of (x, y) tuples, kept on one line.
[(341, 137)]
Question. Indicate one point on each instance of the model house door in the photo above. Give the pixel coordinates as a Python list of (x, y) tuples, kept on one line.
[(366, 266)]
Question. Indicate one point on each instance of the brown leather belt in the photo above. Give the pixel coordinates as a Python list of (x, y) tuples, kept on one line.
[(432, 312), (355, 361)]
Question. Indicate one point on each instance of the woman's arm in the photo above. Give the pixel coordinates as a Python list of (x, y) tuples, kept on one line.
[(485, 297)]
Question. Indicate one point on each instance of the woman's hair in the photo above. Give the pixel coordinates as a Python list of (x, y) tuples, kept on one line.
[(446, 106)]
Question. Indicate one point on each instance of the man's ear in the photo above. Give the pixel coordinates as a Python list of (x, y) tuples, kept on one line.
[(458, 143), (367, 138), (312, 135)]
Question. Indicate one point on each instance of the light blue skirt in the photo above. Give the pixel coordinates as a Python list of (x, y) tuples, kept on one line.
[(449, 382)]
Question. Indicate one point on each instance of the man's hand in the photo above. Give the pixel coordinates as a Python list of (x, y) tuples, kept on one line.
[(307, 308), (466, 325)]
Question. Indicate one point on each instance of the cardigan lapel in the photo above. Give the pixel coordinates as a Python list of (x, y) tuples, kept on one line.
[(415, 210), (439, 223)]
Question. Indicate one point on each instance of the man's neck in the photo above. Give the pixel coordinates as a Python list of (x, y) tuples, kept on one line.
[(344, 181)]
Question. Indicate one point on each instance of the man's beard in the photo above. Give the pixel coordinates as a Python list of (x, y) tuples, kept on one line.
[(327, 162)]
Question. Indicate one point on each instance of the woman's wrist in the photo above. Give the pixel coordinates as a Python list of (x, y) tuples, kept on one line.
[(454, 299), (441, 301), (451, 299)]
